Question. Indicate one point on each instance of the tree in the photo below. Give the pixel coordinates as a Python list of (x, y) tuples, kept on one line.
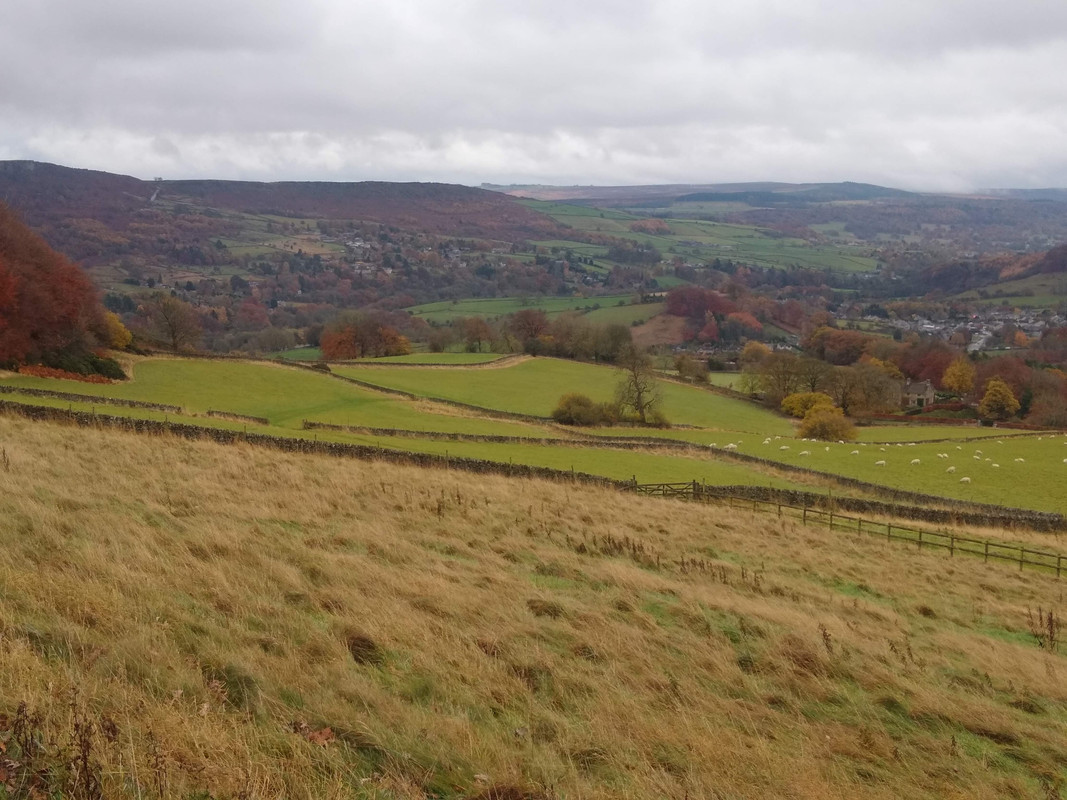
[(959, 376), (118, 335), (475, 331), (638, 391), (998, 403), (690, 369), (173, 320), (800, 403)]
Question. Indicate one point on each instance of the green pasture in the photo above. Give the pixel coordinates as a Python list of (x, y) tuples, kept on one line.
[(1005, 467), (300, 354), (626, 314), (534, 387), (488, 307), (1035, 482), (284, 395), (435, 359)]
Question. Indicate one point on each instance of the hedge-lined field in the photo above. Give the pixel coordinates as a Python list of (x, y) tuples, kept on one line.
[(1010, 469), (535, 386)]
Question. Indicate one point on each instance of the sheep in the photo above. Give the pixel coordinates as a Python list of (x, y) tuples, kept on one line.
[(995, 465), (1021, 460), (804, 453), (784, 447), (978, 452), (882, 449), (854, 453), (879, 463), (914, 461), (950, 469), (730, 446), (958, 447), (827, 448), (977, 458), (965, 480), (766, 441)]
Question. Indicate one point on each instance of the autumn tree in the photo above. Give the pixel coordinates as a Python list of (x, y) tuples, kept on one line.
[(355, 335), (827, 423), (800, 403), (959, 376), (173, 320), (638, 391), (998, 402), (118, 335), (48, 306)]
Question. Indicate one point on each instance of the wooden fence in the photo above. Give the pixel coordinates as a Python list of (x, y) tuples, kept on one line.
[(985, 549)]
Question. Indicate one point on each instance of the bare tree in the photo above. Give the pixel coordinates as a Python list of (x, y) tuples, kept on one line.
[(638, 391), (174, 321)]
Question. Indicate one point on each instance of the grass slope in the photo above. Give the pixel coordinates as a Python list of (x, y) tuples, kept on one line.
[(535, 386), (224, 622)]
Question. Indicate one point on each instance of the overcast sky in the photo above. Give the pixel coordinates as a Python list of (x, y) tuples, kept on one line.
[(918, 94)]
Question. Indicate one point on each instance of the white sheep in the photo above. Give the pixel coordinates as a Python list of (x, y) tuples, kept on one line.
[(854, 453), (995, 465), (1021, 460), (804, 453), (965, 480), (827, 448), (730, 446), (960, 448), (978, 452), (879, 463), (784, 447), (914, 461), (882, 449), (950, 469)]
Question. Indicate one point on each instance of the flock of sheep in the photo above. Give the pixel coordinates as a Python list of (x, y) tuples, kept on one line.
[(978, 455)]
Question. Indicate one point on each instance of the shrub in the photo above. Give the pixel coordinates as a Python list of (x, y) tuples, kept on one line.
[(827, 423), (577, 409)]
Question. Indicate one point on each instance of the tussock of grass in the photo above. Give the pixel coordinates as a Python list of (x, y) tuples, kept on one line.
[(189, 620)]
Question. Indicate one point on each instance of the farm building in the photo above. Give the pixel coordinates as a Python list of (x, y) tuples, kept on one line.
[(916, 394)]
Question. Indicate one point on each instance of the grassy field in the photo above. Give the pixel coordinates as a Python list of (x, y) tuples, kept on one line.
[(1028, 472), (490, 307), (535, 386), (189, 620)]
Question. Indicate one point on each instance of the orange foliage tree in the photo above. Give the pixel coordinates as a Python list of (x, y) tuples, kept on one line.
[(47, 304)]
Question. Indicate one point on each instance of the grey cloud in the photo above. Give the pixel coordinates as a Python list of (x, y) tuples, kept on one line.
[(941, 93)]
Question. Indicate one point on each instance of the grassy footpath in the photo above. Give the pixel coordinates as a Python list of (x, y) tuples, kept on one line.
[(188, 620)]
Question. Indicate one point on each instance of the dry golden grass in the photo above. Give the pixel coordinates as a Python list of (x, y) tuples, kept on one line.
[(235, 622)]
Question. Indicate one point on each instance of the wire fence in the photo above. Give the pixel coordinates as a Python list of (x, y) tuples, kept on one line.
[(986, 549)]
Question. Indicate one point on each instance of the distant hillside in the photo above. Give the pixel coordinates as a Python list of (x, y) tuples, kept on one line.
[(977, 273), (761, 193), (54, 199)]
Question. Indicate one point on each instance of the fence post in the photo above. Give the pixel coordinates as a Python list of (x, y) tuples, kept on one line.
[(952, 544), (804, 519), (920, 539), (1021, 551), (889, 531), (1058, 560), (859, 524), (830, 524), (986, 550), (779, 511)]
